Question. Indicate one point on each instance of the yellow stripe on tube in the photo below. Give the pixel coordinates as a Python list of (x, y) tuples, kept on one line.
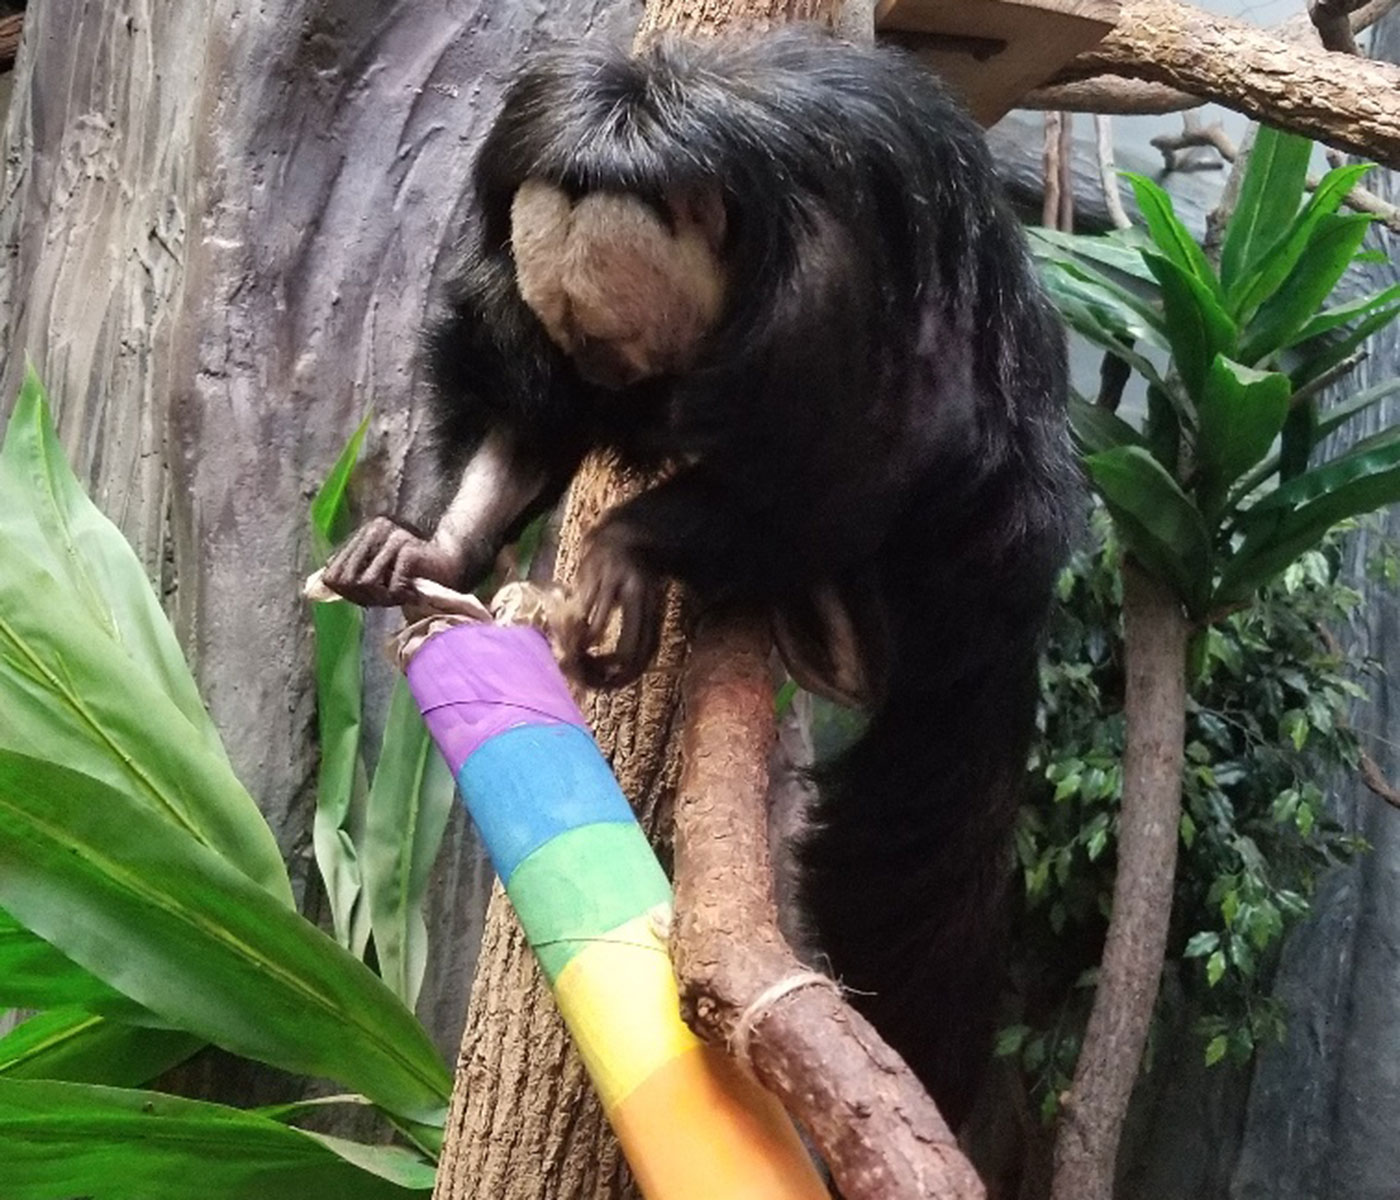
[(618, 998)]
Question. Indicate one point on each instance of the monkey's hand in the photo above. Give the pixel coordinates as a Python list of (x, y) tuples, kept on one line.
[(379, 563), (611, 579)]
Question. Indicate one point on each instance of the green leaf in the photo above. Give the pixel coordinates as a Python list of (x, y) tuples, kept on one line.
[(409, 803), (1215, 1050), (1261, 281), (1136, 300), (65, 1140), (1241, 412), (1170, 236), (73, 695), (1201, 944), (1320, 267), (34, 974), (1096, 429), (1344, 314), (1296, 516), (1215, 968), (1272, 190), (1011, 1039), (169, 923), (1313, 359), (341, 787), (1155, 519), (45, 512), (1198, 329), (1099, 317), (330, 516), (73, 1045)]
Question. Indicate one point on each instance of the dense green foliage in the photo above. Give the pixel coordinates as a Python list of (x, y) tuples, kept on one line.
[(1266, 733), (144, 907)]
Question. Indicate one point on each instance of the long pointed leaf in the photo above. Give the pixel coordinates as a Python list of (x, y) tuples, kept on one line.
[(1261, 281), (169, 923), (76, 1046), (44, 511), (1096, 429), (1155, 519), (1241, 412), (1344, 314), (1170, 236), (72, 695), (1198, 328), (1306, 361), (34, 974), (1320, 267), (409, 803), (339, 706), (64, 1140), (1296, 516), (1269, 198)]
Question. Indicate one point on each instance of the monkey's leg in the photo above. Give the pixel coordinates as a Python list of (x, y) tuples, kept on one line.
[(378, 564)]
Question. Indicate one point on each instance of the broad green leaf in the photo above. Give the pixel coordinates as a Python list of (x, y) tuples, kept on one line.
[(1313, 359), (1261, 281), (1322, 264), (34, 974), (171, 924), (1118, 252), (1155, 519), (409, 803), (72, 695), (1297, 515), (1241, 412), (45, 512), (1096, 429), (1344, 314), (66, 1140), (77, 1046), (1095, 312), (340, 781), (1172, 239), (1130, 292), (1197, 328), (1269, 198)]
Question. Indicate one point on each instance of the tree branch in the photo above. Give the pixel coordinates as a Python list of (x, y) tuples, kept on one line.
[(871, 1120), (1165, 56), (1155, 634)]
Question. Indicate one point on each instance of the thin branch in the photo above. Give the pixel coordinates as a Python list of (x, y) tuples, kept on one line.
[(1108, 171), (741, 986), (1116, 89)]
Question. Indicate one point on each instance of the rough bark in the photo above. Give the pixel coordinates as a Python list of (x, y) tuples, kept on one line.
[(525, 1123), (1341, 100), (1155, 633), (870, 1118), (221, 225)]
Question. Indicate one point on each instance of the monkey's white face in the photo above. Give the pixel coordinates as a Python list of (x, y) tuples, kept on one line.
[(615, 288)]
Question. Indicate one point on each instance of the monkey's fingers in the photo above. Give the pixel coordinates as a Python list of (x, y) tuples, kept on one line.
[(363, 570)]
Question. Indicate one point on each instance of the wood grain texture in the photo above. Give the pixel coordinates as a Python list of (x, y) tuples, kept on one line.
[(221, 228)]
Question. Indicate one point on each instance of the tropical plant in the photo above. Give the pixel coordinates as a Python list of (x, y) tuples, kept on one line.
[(146, 910), (1212, 494), (1266, 728)]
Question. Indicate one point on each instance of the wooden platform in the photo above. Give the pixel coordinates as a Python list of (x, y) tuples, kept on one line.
[(995, 51)]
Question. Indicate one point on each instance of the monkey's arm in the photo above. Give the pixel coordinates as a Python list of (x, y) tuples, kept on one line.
[(500, 483)]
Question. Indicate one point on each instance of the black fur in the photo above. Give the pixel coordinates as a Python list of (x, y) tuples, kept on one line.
[(880, 409)]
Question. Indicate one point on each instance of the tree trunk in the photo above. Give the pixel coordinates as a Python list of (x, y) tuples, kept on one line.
[(1155, 633), (528, 1126), (221, 226)]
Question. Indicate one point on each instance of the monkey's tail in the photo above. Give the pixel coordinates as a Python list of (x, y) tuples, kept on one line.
[(906, 869)]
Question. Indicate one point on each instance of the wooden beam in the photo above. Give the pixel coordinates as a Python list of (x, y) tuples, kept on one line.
[(10, 28), (995, 51)]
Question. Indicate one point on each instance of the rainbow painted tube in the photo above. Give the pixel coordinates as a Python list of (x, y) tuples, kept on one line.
[(592, 898)]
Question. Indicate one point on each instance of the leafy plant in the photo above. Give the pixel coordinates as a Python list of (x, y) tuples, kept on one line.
[(146, 910), (1266, 727), (1213, 492), (375, 841)]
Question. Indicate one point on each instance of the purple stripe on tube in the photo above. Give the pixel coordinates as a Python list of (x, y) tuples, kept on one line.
[(475, 681)]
